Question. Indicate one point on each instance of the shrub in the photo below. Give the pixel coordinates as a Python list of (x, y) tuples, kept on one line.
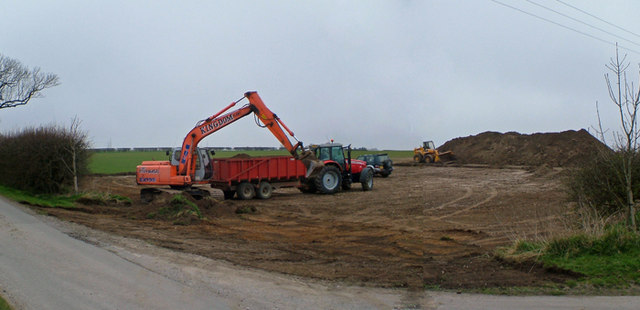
[(40, 160), (600, 183), (180, 209)]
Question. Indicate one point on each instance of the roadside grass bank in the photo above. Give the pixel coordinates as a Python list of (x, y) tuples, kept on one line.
[(48, 201), (62, 201), (4, 305), (608, 261), (126, 162)]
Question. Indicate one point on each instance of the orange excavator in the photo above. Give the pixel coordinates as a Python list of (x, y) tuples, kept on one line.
[(192, 166)]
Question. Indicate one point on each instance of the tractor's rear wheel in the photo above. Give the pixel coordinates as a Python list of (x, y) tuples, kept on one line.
[(246, 191), (328, 180), (264, 190), (418, 158)]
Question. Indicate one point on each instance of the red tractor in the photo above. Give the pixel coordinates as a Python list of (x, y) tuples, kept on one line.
[(339, 171)]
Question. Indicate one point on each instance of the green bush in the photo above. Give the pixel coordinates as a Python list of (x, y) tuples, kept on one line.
[(599, 183), (40, 160), (180, 209)]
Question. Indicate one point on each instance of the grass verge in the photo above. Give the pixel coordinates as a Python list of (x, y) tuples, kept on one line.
[(50, 201), (4, 305), (609, 260), (63, 201)]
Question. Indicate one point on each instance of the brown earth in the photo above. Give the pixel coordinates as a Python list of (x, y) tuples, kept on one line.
[(423, 226), (559, 149)]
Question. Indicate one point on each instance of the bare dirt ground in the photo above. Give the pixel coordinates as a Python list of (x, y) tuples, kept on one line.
[(423, 226)]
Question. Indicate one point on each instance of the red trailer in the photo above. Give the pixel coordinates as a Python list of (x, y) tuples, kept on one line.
[(256, 176)]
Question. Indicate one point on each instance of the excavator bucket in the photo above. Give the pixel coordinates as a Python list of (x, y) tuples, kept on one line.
[(311, 162)]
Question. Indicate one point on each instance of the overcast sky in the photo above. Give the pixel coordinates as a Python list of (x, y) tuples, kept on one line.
[(383, 74)]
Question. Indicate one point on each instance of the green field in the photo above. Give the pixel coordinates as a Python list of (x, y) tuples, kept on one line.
[(126, 162)]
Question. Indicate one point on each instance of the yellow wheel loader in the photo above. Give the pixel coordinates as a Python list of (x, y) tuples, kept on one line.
[(428, 153)]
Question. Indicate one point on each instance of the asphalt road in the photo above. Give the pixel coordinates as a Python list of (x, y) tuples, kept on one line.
[(48, 264), (43, 268)]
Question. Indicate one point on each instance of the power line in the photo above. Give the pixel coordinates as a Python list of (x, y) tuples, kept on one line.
[(566, 27), (598, 18), (579, 21)]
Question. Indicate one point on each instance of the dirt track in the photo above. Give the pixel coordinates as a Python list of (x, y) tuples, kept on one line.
[(422, 226)]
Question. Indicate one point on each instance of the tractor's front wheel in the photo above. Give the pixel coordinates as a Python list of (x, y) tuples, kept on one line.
[(366, 179), (328, 180)]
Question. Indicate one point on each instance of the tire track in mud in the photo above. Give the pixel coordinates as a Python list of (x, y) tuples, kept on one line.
[(467, 194), (492, 195)]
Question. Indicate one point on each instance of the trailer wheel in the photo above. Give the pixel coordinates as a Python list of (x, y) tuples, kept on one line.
[(264, 190), (246, 191), (366, 179), (328, 180)]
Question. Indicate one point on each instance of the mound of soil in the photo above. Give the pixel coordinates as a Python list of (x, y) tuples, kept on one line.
[(558, 149)]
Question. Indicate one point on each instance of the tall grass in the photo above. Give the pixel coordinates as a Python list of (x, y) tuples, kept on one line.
[(609, 258)]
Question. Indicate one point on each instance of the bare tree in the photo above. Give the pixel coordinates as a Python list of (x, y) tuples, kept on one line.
[(627, 99), (19, 84), (76, 147)]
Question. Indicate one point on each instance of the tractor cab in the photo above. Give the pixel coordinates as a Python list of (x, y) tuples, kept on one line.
[(331, 152)]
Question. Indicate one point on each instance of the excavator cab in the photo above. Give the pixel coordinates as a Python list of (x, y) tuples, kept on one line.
[(203, 170)]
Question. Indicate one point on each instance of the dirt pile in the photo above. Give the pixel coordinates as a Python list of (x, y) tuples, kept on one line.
[(558, 149)]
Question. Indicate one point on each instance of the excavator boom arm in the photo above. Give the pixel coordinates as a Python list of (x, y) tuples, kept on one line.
[(220, 120), (273, 123)]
